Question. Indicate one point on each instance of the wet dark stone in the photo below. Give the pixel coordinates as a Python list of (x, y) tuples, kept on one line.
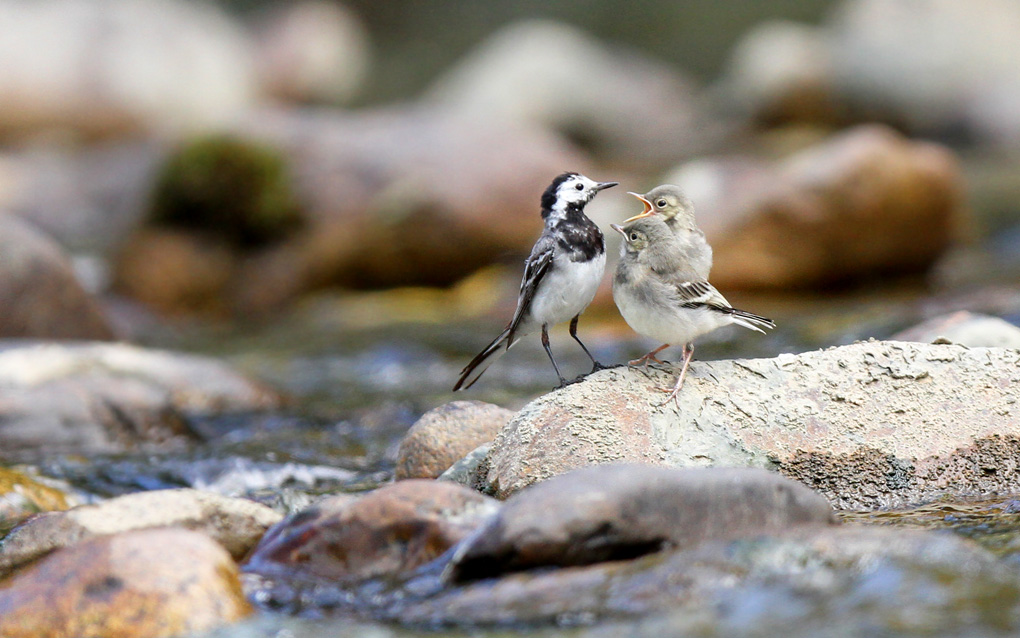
[(615, 512)]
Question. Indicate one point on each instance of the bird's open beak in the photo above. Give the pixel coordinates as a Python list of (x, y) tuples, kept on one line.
[(645, 213), (604, 185), (619, 229)]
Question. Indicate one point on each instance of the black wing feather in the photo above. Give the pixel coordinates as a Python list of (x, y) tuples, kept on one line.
[(535, 268)]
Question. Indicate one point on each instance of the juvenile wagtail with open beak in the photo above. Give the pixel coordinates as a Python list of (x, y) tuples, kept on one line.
[(660, 294), (670, 202)]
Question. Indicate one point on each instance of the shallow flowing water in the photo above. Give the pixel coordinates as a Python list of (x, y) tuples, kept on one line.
[(356, 384)]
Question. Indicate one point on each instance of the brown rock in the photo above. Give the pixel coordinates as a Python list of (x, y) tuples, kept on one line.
[(966, 329), (161, 582), (445, 434), (108, 397), (404, 196), (235, 523), (865, 203), (385, 533), (611, 512), (873, 424), (39, 292), (401, 197), (173, 271)]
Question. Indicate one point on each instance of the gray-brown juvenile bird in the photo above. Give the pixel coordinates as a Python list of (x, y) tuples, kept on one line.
[(661, 295), (677, 210)]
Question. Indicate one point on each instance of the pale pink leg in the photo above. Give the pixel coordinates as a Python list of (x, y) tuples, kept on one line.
[(651, 355), (688, 353)]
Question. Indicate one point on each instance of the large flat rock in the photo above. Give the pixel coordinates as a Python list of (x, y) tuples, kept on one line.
[(873, 424)]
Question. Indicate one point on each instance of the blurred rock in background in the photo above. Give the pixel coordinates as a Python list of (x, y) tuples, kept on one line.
[(866, 203), (228, 159), (39, 293), (311, 52), (624, 106), (105, 69)]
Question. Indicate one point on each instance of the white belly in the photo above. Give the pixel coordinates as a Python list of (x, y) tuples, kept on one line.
[(665, 325), (567, 290)]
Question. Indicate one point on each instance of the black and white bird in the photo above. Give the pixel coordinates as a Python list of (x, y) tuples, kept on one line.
[(560, 276), (661, 296)]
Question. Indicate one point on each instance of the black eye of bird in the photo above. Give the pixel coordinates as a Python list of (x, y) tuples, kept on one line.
[(633, 236), (661, 203), (579, 186)]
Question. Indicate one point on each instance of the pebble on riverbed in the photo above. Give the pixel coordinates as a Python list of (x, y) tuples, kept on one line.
[(445, 434)]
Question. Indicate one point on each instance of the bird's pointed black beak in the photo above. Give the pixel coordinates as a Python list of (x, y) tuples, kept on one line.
[(601, 186)]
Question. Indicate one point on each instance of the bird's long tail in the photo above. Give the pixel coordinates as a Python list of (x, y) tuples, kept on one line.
[(750, 320), (483, 360)]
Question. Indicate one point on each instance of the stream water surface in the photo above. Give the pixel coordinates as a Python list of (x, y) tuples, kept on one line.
[(355, 388)]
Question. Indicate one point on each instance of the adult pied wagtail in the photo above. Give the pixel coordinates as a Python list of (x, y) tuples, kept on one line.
[(560, 276)]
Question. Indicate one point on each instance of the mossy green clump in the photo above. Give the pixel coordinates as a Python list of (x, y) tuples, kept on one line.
[(230, 188)]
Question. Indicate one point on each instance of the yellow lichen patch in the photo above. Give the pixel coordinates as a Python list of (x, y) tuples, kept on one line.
[(22, 495)]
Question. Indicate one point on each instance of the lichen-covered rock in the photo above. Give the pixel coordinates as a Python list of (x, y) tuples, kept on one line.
[(142, 584), (869, 425), (236, 524), (98, 397), (445, 434), (612, 512), (863, 203), (386, 533), (39, 292)]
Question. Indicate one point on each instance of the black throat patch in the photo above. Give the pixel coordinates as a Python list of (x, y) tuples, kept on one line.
[(579, 236)]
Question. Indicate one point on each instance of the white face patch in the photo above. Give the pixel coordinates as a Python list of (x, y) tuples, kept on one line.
[(578, 189)]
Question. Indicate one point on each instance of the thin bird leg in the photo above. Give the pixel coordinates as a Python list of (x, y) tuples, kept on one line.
[(688, 353), (650, 356), (548, 351), (596, 366)]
